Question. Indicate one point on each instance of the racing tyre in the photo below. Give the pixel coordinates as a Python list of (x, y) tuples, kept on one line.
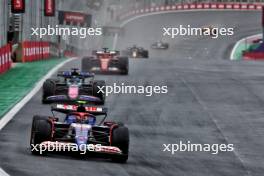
[(87, 64), (123, 65), (120, 139), (97, 92), (145, 54), (49, 88), (41, 131)]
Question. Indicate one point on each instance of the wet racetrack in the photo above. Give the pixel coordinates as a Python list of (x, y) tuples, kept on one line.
[(210, 100)]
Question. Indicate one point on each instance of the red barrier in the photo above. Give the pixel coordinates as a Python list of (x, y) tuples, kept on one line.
[(33, 51), (253, 55), (1, 61), (5, 54), (196, 6), (24, 51), (46, 49), (5, 58), (30, 54)]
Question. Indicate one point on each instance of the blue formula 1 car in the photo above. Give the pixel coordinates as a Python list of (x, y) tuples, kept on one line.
[(79, 132), (73, 84)]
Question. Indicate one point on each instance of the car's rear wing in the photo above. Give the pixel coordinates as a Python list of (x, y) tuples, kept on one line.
[(105, 51), (67, 108), (69, 74)]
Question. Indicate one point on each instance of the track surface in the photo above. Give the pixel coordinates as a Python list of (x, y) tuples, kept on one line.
[(210, 100)]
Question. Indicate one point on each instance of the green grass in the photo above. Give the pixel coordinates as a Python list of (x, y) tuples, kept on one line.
[(18, 81)]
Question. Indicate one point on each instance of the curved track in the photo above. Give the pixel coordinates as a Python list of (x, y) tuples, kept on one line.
[(210, 100)]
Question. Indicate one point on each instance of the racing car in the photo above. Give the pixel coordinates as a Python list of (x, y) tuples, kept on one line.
[(79, 129), (160, 45), (73, 84), (136, 52), (106, 61)]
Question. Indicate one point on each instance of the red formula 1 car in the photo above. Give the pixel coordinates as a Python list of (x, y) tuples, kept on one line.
[(106, 61), (79, 132)]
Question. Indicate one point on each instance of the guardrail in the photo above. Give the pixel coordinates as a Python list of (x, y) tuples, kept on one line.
[(186, 7), (5, 58)]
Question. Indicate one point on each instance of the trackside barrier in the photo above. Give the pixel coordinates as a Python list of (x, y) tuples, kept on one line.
[(33, 51), (5, 58), (249, 53), (253, 55), (198, 6)]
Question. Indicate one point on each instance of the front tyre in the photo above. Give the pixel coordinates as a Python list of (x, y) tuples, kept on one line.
[(49, 88), (97, 92), (124, 65), (120, 139), (41, 131)]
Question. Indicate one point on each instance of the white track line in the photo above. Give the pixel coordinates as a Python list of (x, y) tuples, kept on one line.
[(232, 55), (3, 173), (10, 114), (194, 93)]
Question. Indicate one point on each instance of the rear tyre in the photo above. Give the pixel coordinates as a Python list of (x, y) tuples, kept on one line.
[(124, 65), (120, 139), (97, 92), (145, 53), (49, 88), (41, 131)]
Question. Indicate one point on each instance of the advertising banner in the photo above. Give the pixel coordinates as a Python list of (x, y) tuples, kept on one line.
[(18, 6), (49, 8)]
